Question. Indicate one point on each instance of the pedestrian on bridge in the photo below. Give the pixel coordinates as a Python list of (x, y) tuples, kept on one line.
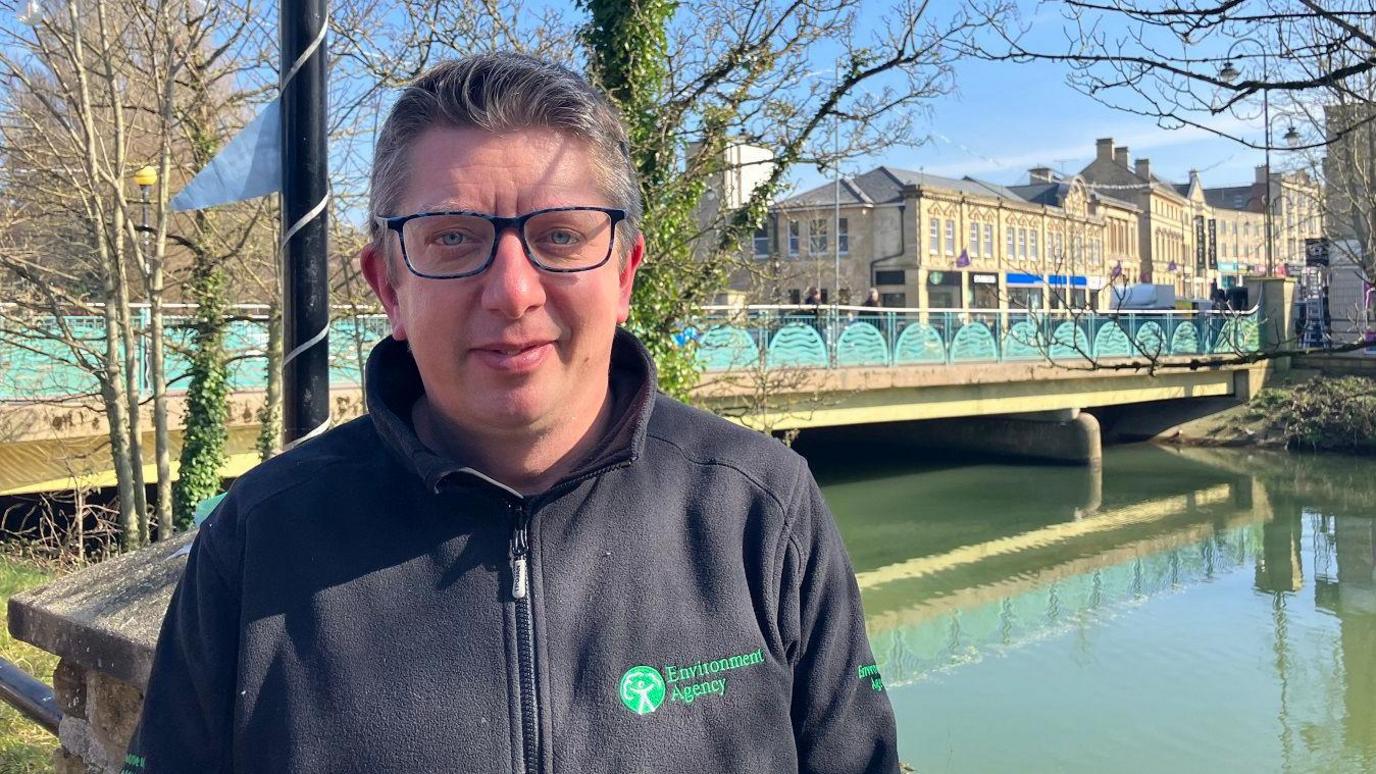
[(523, 558)]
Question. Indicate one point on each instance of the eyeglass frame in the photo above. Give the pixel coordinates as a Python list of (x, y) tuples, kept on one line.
[(501, 223)]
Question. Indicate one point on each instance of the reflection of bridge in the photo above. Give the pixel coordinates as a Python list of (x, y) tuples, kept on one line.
[(936, 612), (774, 367)]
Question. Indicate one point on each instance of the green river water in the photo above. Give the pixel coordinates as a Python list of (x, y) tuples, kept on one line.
[(1184, 611)]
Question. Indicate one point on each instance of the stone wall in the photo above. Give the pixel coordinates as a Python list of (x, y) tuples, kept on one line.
[(102, 622), (99, 716)]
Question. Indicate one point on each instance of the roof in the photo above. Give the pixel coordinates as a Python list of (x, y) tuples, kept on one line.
[(826, 194), (885, 184), (1237, 197), (1042, 193)]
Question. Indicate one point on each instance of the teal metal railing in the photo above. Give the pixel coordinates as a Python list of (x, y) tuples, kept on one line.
[(735, 338), (36, 364)]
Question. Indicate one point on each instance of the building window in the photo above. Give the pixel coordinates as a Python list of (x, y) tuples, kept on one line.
[(1032, 239), (843, 235), (1011, 251), (795, 296), (934, 234), (950, 237), (989, 240), (762, 240), (817, 236), (974, 240), (898, 300), (1022, 244), (793, 237), (890, 277)]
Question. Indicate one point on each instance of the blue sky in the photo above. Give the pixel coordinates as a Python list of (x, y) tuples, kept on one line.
[(1005, 118)]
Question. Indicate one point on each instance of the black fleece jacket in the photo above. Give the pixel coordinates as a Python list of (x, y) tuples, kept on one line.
[(681, 602)]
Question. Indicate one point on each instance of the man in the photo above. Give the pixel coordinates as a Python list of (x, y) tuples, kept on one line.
[(522, 559)]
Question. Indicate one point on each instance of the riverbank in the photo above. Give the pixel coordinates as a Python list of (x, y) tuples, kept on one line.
[(25, 748), (1303, 412)]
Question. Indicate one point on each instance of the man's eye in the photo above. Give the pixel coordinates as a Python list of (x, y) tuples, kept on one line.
[(562, 237), (452, 238)]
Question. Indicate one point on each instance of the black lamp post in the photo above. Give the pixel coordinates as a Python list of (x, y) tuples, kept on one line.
[(305, 196), (1229, 73)]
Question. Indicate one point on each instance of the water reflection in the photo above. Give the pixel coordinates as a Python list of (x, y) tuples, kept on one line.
[(1238, 592)]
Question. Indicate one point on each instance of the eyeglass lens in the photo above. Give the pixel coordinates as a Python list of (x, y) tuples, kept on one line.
[(566, 240)]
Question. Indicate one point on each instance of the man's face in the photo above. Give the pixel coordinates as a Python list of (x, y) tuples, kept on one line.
[(514, 349)]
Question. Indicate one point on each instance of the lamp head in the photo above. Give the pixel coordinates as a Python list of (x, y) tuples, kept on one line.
[(146, 177), (1292, 137), (1229, 73)]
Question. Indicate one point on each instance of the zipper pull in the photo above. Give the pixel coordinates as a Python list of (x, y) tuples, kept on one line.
[(518, 577), (519, 549)]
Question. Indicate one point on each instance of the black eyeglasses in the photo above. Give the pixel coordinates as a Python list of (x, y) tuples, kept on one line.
[(451, 245)]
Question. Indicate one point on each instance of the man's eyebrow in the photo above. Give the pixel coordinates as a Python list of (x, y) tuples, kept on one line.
[(446, 205)]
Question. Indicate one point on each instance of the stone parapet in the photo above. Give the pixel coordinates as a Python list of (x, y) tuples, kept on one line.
[(103, 623)]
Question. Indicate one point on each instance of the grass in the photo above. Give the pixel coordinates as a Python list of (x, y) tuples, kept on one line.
[(25, 748)]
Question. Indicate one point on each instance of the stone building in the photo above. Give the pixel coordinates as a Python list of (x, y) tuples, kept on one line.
[(1349, 171), (944, 243), (939, 242), (1165, 216), (1297, 207)]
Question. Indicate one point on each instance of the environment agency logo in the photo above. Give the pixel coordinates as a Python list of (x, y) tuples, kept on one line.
[(642, 689)]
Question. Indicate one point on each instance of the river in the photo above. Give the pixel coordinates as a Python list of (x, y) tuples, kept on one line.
[(1184, 611)]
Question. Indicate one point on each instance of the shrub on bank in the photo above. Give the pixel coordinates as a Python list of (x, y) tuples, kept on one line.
[(1329, 414)]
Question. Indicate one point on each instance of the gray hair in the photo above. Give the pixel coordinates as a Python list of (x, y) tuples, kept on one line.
[(503, 92)]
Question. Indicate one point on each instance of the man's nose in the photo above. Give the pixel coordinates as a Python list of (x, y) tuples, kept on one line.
[(512, 285)]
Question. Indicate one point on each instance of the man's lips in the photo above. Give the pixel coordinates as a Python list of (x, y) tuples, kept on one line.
[(513, 356)]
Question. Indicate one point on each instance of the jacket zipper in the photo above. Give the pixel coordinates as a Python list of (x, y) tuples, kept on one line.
[(525, 638)]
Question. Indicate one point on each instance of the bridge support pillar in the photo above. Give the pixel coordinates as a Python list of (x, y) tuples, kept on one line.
[(1068, 437)]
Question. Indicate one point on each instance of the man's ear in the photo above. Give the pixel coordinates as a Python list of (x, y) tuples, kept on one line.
[(626, 278), (373, 260)]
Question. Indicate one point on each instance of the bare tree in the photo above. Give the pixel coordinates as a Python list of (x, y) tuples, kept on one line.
[(1224, 67), (91, 92)]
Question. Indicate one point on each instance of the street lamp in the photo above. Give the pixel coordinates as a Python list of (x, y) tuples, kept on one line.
[(1228, 74), (145, 178)]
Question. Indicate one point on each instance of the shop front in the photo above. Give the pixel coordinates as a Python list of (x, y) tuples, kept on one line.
[(984, 290), (944, 290), (1025, 291)]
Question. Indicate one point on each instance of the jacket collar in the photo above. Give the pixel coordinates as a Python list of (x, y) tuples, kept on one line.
[(394, 384)]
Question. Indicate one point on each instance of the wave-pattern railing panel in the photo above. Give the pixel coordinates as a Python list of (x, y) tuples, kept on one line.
[(848, 337), (47, 358)]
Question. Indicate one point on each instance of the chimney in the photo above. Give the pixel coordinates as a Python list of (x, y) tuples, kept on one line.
[(1144, 169), (1103, 149), (1261, 175), (1120, 155), (1040, 175)]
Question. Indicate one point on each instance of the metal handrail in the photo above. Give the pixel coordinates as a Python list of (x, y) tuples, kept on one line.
[(32, 697)]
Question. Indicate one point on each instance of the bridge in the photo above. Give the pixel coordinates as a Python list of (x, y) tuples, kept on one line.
[(1022, 379)]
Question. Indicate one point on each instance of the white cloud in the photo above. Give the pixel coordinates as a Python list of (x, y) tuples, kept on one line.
[(1073, 157)]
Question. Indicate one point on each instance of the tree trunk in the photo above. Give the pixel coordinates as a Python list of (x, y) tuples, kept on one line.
[(270, 416), (112, 393), (132, 393), (161, 433)]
